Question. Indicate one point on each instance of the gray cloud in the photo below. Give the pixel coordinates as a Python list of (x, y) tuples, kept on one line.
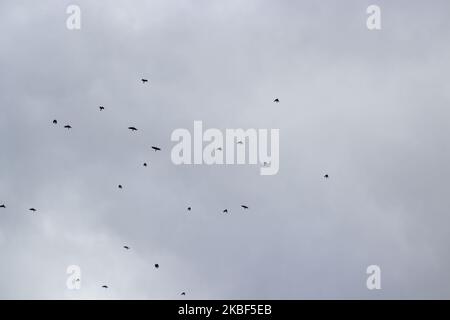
[(369, 108)]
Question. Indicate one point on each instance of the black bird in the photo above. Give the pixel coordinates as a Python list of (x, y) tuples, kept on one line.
[(145, 164), (132, 128), (106, 287), (126, 247), (144, 80), (3, 206), (67, 127), (156, 148), (101, 108), (189, 208), (326, 176), (183, 293), (156, 266), (276, 100), (225, 211), (119, 186), (32, 209), (245, 207), (55, 121)]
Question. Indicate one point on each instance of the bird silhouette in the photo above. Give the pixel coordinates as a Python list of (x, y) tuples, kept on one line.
[(119, 186), (3, 206), (144, 80), (32, 209), (132, 128), (225, 211), (101, 108), (156, 148), (326, 176), (105, 287), (189, 208), (67, 127), (244, 207), (183, 293), (276, 100), (55, 121), (126, 247), (145, 164), (156, 265)]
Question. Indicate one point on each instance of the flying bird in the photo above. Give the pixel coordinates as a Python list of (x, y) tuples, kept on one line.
[(225, 211), (156, 266), (3, 206), (145, 164), (189, 208), (55, 121), (183, 293), (244, 207), (276, 100), (119, 186), (101, 108), (32, 209), (156, 148), (67, 127), (132, 128), (126, 247), (326, 176), (144, 80), (106, 287)]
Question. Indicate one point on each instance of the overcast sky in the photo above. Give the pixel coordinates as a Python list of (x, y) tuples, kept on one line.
[(369, 108)]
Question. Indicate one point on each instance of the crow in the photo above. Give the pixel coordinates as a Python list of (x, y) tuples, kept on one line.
[(156, 148), (32, 209), (245, 207), (132, 128), (106, 287), (326, 176), (276, 100), (189, 208), (225, 211), (126, 247), (183, 293), (156, 266), (119, 186), (145, 164), (55, 121), (3, 206), (144, 80), (67, 127), (101, 108)]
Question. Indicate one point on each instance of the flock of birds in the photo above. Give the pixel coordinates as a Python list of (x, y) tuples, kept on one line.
[(155, 148)]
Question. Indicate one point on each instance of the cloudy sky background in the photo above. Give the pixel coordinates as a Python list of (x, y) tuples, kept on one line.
[(370, 108)]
